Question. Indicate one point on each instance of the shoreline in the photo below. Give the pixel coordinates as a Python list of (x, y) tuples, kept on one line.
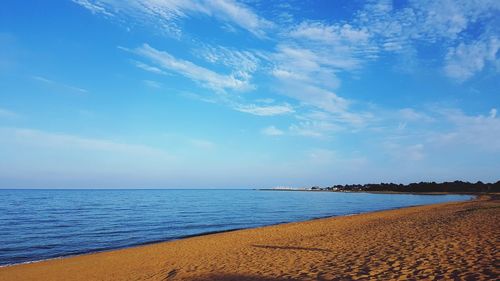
[(98, 251), (153, 252), (135, 245)]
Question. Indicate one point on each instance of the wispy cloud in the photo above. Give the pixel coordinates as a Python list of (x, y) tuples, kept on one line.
[(242, 63), (264, 110), (341, 46), (465, 60), (305, 59), (199, 74), (377, 27), (476, 131), (61, 86), (258, 107), (380, 27), (439, 133), (147, 67), (330, 34), (394, 29), (272, 131), (169, 14), (316, 129), (7, 113), (240, 15), (95, 8), (302, 77)]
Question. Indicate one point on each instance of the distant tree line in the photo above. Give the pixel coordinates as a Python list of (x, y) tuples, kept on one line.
[(455, 186)]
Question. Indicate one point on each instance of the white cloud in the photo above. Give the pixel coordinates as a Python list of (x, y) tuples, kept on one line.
[(147, 67), (264, 110), (330, 34), (316, 129), (478, 132), (309, 77), (448, 134), (241, 62), (447, 19), (313, 59), (307, 72), (305, 59), (199, 74), (266, 107), (168, 14), (493, 113), (379, 27), (315, 96), (465, 60), (198, 97), (272, 131), (445, 22), (95, 8), (266, 100), (241, 15), (341, 46)]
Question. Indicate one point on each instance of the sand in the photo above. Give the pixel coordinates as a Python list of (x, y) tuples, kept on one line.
[(438, 242)]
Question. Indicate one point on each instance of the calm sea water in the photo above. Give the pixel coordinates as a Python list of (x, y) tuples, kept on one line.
[(42, 224)]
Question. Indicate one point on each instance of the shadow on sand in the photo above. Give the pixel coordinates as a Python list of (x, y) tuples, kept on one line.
[(291, 248)]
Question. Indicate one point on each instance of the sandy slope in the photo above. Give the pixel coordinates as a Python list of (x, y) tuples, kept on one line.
[(447, 241)]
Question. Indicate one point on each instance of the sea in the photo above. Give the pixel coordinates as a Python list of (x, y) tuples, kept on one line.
[(51, 223)]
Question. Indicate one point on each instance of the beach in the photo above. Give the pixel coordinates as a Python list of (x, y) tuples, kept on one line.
[(436, 242)]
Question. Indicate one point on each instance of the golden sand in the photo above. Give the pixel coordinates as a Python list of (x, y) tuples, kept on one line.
[(438, 242)]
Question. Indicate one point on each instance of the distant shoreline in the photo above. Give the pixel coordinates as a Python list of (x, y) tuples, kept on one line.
[(454, 187), (385, 192)]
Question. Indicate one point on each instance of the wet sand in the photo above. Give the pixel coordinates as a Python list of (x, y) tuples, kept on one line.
[(451, 241)]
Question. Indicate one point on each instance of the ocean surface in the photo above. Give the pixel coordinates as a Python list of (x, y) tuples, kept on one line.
[(43, 224)]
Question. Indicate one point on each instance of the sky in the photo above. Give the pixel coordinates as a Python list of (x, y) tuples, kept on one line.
[(247, 93)]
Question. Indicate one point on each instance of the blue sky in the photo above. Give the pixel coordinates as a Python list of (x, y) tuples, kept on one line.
[(228, 93)]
